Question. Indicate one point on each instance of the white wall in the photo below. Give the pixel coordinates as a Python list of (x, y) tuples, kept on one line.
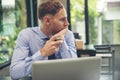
[(112, 13)]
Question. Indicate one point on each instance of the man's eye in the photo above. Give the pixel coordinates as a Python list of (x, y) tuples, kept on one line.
[(63, 19)]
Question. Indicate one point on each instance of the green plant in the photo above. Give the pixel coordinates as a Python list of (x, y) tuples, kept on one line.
[(118, 27), (7, 41), (20, 13), (92, 28), (1, 26)]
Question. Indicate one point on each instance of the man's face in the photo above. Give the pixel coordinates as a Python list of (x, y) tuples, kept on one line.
[(59, 21)]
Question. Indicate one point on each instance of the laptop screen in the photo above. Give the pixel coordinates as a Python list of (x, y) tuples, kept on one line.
[(84, 68)]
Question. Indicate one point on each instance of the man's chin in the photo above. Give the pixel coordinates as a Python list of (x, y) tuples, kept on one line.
[(59, 30), (56, 32)]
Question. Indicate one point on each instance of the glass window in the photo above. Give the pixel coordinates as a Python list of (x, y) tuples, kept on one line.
[(104, 20), (12, 20), (104, 25), (110, 21), (77, 17)]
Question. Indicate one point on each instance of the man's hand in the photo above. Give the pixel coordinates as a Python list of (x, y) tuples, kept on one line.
[(62, 32), (52, 45)]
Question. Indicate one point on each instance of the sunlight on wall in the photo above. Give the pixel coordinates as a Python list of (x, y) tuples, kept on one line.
[(8, 3)]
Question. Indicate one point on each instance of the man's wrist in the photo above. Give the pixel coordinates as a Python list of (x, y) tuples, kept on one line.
[(42, 51)]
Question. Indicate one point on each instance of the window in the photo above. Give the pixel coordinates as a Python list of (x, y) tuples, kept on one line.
[(12, 20), (78, 17), (104, 20)]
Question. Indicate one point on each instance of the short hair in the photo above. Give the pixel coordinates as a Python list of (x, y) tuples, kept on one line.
[(49, 7)]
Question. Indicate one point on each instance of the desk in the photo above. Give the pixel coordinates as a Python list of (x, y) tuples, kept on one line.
[(9, 78), (88, 52), (4, 65), (5, 78), (3, 60)]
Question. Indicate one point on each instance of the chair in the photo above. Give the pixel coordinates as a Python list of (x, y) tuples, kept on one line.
[(107, 55)]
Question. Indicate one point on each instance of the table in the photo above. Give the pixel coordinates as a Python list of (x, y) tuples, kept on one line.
[(9, 78), (88, 52), (4, 65)]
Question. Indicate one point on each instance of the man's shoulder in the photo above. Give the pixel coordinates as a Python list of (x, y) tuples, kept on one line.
[(69, 34), (29, 30), (27, 33)]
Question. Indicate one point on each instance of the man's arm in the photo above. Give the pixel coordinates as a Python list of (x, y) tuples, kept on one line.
[(21, 61), (68, 49)]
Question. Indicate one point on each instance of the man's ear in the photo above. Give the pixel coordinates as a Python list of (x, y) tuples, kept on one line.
[(46, 19)]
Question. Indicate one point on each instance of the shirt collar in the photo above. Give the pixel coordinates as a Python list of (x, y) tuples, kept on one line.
[(40, 33)]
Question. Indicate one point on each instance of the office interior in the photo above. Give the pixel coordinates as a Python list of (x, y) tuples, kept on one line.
[(95, 24)]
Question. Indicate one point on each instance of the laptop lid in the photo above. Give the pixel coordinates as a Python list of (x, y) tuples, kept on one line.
[(84, 68)]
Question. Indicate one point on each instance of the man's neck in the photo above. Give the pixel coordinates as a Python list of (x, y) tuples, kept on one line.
[(46, 31)]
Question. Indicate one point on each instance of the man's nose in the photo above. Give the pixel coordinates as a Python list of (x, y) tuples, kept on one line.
[(66, 23)]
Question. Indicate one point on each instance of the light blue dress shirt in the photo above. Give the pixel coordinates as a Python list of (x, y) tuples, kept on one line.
[(27, 50)]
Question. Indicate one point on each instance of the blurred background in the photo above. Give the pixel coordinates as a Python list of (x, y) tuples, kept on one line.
[(95, 22)]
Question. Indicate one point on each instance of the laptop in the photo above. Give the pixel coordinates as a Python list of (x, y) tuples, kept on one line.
[(84, 68)]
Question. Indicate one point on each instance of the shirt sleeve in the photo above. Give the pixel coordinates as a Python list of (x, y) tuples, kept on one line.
[(21, 63), (68, 49)]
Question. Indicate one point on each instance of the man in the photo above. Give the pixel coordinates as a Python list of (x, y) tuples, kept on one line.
[(38, 43)]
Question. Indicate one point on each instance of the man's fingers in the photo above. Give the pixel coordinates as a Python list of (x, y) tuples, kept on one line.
[(62, 32), (58, 42), (59, 35), (56, 38)]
